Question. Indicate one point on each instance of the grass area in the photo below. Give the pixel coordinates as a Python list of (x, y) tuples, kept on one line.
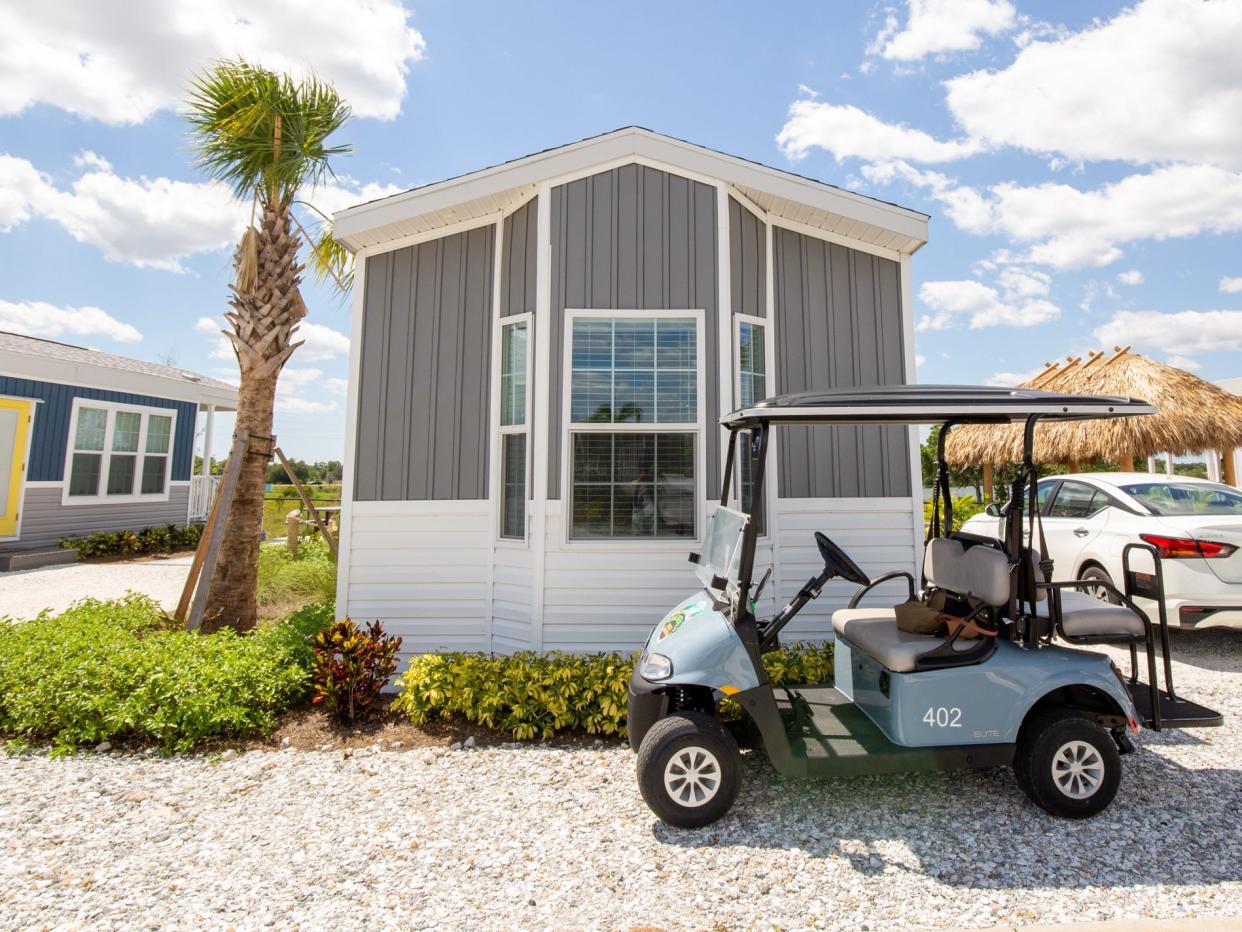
[(289, 581), (122, 671), (284, 498)]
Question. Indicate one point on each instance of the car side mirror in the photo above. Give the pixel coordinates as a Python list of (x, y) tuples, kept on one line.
[(993, 510)]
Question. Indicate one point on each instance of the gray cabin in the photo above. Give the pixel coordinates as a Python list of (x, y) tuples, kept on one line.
[(541, 354)]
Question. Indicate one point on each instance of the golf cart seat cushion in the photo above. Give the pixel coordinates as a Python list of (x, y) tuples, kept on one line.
[(979, 571), (1083, 615), (874, 631)]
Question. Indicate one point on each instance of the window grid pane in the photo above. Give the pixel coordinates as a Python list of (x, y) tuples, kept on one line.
[(752, 363), (121, 470), (153, 470), (84, 473), (513, 375), (159, 431), (627, 485), (92, 425), (125, 430), (513, 486), (633, 370)]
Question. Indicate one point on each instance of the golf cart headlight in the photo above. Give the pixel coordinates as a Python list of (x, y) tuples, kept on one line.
[(656, 667)]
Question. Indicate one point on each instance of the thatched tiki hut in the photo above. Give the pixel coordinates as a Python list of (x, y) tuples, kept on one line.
[(1194, 415)]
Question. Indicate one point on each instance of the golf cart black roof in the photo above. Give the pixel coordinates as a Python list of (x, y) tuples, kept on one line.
[(931, 404)]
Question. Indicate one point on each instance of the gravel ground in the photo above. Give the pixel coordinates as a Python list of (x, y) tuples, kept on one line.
[(526, 837), (25, 593)]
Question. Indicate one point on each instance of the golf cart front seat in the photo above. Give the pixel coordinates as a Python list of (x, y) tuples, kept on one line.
[(980, 572)]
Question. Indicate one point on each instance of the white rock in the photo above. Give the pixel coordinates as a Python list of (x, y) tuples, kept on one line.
[(103, 747), (469, 742), (230, 754)]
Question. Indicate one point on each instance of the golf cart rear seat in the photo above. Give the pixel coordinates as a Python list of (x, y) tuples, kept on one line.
[(979, 572)]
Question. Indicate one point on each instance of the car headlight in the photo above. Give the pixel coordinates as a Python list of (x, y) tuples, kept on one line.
[(655, 667)]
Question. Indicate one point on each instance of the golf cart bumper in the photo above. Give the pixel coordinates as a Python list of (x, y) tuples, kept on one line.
[(647, 705)]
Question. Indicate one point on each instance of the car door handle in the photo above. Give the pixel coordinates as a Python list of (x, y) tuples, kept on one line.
[(1081, 532)]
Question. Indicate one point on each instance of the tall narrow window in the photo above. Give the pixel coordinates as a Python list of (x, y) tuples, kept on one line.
[(634, 431), (118, 452), (514, 360), (752, 387)]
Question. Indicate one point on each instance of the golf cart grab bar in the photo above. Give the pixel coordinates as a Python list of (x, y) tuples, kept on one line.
[(899, 574), (1131, 580), (778, 621)]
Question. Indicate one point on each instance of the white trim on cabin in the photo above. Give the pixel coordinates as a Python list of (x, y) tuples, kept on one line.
[(771, 475), (840, 240), (540, 435), (724, 312), (107, 453), (698, 427), (499, 430), (415, 239), (916, 461), (349, 463), (55, 371)]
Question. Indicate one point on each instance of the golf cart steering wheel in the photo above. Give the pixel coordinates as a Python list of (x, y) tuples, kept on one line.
[(836, 560)]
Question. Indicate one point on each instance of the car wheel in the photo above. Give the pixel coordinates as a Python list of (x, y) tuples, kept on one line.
[(1099, 574), (689, 769), (1067, 764)]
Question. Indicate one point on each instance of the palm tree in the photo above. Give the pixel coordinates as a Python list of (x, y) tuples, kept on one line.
[(265, 135)]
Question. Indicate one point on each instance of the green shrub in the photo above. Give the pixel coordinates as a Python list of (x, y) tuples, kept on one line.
[(159, 539), (121, 670), (964, 508), (529, 695), (352, 666), (288, 580)]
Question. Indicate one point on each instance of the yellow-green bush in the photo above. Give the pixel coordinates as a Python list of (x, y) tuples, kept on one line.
[(531, 695)]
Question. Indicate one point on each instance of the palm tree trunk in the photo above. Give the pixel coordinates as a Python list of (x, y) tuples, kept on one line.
[(266, 305)]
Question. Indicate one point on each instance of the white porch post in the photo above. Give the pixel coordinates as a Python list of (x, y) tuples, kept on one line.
[(1213, 464), (208, 431), (1168, 464)]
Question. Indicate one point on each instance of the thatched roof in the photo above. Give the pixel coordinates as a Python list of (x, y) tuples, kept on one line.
[(1193, 415)]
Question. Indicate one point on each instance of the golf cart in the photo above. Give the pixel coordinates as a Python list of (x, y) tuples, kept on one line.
[(1059, 715)]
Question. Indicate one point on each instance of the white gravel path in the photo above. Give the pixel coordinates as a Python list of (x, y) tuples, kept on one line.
[(25, 593), (528, 837)]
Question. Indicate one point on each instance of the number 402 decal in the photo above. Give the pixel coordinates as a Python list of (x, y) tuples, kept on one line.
[(940, 717)]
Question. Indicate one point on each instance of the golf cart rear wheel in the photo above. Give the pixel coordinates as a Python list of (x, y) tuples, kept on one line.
[(1067, 764), (689, 769)]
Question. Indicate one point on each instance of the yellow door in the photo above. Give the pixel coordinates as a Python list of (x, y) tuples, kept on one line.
[(14, 429)]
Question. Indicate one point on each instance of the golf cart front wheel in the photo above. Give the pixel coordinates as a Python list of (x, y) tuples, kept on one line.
[(689, 769), (1068, 765)]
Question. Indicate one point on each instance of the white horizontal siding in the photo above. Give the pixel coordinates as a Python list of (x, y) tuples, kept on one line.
[(512, 593), (878, 533), (421, 569)]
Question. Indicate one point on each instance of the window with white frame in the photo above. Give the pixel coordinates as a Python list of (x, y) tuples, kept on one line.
[(752, 387), (633, 426), (118, 452), (514, 365)]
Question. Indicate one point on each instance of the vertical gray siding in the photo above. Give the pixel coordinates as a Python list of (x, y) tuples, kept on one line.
[(45, 520), (634, 238), (748, 261), (422, 417), (839, 324), (518, 255)]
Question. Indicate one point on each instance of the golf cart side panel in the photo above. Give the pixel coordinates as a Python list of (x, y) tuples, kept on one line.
[(980, 704), (703, 646)]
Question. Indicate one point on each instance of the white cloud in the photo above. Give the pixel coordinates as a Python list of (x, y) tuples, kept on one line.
[(1132, 277), (38, 319), (985, 307), (1005, 379), (1182, 333), (1160, 82), (321, 342), (122, 62), (1025, 283), (1231, 285), (336, 386), (1184, 362), (847, 131), (1065, 227), (147, 222), (221, 348), (292, 388), (936, 26)]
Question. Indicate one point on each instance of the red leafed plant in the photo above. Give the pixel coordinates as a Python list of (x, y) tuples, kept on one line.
[(352, 666)]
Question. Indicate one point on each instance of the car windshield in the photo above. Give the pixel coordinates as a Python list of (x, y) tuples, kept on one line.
[(722, 548), (1187, 498)]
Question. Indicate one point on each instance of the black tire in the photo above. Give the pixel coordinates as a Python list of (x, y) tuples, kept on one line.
[(1082, 753), (710, 749), (1098, 572)]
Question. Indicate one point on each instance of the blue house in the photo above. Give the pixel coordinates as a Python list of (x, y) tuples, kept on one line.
[(90, 441)]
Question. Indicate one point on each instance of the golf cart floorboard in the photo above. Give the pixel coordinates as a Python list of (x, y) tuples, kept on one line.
[(839, 740), (1174, 713)]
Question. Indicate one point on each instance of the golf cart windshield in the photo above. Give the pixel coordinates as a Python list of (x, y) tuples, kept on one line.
[(722, 548)]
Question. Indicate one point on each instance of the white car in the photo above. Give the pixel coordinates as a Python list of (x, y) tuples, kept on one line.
[(1196, 526)]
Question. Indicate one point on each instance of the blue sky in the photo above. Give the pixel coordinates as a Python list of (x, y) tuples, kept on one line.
[(1081, 163)]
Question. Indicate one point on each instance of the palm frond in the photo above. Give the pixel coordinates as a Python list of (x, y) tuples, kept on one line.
[(263, 133)]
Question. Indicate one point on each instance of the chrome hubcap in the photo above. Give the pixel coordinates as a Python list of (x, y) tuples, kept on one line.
[(1077, 769), (692, 776)]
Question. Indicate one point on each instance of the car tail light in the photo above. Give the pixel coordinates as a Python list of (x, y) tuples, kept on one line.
[(1182, 548)]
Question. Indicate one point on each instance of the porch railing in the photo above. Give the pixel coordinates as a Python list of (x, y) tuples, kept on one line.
[(202, 493)]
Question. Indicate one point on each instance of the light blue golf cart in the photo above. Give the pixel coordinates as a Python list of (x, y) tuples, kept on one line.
[(1027, 695)]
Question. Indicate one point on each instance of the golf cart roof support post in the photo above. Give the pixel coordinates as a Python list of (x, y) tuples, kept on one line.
[(940, 486), (746, 563), (728, 468)]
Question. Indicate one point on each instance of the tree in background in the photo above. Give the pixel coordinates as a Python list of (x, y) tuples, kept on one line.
[(265, 135)]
